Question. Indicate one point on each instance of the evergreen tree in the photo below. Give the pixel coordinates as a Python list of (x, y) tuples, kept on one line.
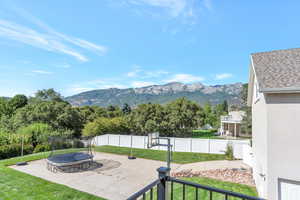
[(126, 109), (225, 106)]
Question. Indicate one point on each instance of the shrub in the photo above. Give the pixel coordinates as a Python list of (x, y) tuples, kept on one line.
[(8, 151), (4, 138), (229, 152), (104, 125), (97, 127), (42, 148), (37, 132)]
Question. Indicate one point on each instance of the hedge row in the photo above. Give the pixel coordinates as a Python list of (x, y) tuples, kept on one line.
[(8, 151), (13, 150)]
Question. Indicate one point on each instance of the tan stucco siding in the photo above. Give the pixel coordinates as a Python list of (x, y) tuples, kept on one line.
[(283, 140)]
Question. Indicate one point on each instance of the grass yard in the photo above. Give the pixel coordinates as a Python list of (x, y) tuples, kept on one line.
[(205, 134), (17, 185), (204, 195), (178, 157), (235, 187)]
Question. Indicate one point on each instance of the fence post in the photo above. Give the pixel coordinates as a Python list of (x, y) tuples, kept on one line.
[(162, 187), (119, 140), (108, 139)]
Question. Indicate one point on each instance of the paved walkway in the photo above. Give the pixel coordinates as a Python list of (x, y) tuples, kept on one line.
[(119, 177)]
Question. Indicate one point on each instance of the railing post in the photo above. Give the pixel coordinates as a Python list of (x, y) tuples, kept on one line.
[(162, 187)]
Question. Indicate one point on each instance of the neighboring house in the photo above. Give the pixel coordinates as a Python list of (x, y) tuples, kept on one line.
[(231, 123), (274, 94)]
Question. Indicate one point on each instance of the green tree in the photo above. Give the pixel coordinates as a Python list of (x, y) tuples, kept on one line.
[(105, 125), (58, 115), (246, 125), (37, 132), (5, 108), (87, 114), (97, 127), (126, 109), (183, 116), (48, 95), (217, 112), (113, 111), (225, 106), (146, 118), (244, 94), (118, 125), (18, 101), (210, 116)]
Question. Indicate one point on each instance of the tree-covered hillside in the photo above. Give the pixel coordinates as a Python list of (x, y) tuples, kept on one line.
[(160, 94)]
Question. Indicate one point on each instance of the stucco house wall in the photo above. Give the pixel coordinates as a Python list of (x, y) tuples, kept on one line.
[(259, 143), (274, 94), (283, 144)]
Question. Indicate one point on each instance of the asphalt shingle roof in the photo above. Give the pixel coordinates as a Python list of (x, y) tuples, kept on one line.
[(277, 70)]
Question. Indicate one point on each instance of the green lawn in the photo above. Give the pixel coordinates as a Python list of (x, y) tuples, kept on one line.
[(205, 134), (15, 185), (18, 185), (178, 157), (204, 195)]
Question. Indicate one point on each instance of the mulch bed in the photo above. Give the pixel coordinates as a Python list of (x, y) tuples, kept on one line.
[(241, 176)]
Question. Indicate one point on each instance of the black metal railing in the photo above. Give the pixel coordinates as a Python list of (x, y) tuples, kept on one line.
[(158, 190)]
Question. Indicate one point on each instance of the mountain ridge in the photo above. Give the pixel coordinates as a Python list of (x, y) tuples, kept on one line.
[(160, 94)]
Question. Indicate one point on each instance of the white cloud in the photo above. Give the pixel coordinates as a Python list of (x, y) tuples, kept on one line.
[(186, 9), (87, 45), (223, 76), (138, 84), (41, 72), (93, 85), (99, 49), (134, 73), (144, 74), (175, 7), (48, 39), (155, 73), (184, 78)]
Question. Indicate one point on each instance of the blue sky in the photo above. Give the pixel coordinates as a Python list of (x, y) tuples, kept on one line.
[(74, 46)]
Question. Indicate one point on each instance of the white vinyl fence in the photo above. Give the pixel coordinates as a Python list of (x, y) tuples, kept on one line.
[(248, 155), (217, 146)]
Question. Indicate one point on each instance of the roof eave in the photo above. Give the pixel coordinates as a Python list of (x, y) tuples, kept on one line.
[(281, 90)]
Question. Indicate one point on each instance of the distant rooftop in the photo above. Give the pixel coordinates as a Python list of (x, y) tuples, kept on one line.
[(277, 70)]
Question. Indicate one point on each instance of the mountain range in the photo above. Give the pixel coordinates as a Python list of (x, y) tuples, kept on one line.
[(160, 94)]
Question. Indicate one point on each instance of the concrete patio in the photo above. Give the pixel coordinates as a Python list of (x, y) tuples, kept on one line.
[(119, 177)]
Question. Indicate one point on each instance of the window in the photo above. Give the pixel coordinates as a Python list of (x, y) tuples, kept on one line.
[(288, 189)]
